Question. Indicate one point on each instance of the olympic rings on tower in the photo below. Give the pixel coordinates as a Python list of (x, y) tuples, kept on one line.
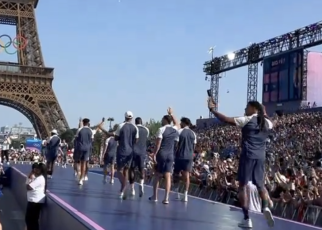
[(19, 43)]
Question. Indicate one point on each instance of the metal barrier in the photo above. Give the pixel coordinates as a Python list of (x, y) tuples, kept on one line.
[(306, 214)]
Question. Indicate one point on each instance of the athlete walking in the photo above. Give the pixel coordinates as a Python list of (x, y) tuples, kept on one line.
[(127, 135), (109, 156), (187, 141), (139, 155), (255, 127), (164, 154), (52, 152), (84, 138)]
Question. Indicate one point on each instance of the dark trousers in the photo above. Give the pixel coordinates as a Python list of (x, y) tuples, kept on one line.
[(64, 155), (5, 155), (32, 215)]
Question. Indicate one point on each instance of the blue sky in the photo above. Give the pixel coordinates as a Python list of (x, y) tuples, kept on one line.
[(143, 56)]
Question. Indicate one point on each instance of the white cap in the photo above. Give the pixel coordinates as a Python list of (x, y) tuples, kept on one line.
[(128, 114), (54, 131)]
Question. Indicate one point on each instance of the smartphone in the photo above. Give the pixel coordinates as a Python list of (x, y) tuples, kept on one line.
[(209, 92), (103, 119)]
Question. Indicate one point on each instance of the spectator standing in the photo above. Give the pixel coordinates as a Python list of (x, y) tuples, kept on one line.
[(36, 189)]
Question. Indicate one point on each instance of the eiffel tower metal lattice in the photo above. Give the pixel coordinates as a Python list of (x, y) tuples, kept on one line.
[(26, 86)]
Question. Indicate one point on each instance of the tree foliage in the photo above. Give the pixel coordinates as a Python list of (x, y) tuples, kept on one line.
[(97, 143), (115, 127), (68, 136), (153, 126), (15, 143)]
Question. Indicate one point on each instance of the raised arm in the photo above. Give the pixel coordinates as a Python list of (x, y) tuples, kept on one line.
[(235, 121), (80, 123), (101, 126), (176, 123)]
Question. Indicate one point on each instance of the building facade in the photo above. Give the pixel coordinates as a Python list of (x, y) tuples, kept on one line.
[(17, 130)]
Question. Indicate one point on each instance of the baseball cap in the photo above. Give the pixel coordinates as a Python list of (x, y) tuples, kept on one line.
[(86, 120), (128, 114), (54, 131)]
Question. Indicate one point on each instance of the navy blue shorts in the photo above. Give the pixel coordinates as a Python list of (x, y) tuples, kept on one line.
[(251, 170), (76, 156), (123, 161), (182, 165), (109, 160), (164, 163), (138, 162), (51, 157), (84, 155)]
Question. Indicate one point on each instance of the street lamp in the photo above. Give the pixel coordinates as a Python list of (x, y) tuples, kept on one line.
[(110, 119)]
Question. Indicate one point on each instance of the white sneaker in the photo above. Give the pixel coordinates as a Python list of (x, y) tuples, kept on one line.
[(112, 181), (86, 178), (141, 191), (178, 196), (49, 177), (80, 182), (122, 196), (132, 192), (269, 217), (153, 199), (245, 223), (8, 163)]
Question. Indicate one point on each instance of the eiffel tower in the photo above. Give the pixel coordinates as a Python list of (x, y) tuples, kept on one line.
[(26, 86)]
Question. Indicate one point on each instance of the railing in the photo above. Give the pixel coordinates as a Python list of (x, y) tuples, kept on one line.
[(305, 214), (8, 67)]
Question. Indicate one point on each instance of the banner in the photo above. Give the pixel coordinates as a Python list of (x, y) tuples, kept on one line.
[(33, 145)]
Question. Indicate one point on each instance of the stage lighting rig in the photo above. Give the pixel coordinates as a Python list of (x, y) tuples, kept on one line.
[(301, 38)]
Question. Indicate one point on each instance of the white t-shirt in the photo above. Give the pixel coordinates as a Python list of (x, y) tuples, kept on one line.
[(37, 194), (254, 201)]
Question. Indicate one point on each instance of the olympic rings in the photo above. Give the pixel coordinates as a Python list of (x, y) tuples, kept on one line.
[(19, 43), (10, 40)]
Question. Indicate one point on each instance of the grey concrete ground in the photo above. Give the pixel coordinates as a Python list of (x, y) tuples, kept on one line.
[(11, 216)]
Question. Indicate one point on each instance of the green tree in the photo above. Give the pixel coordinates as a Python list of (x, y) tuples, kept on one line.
[(97, 142), (68, 136), (15, 143), (153, 126), (115, 127)]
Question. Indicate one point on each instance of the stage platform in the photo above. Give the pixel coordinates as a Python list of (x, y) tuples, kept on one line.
[(95, 205)]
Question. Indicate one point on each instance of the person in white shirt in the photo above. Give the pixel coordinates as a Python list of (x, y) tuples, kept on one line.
[(5, 149), (36, 193), (254, 200)]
